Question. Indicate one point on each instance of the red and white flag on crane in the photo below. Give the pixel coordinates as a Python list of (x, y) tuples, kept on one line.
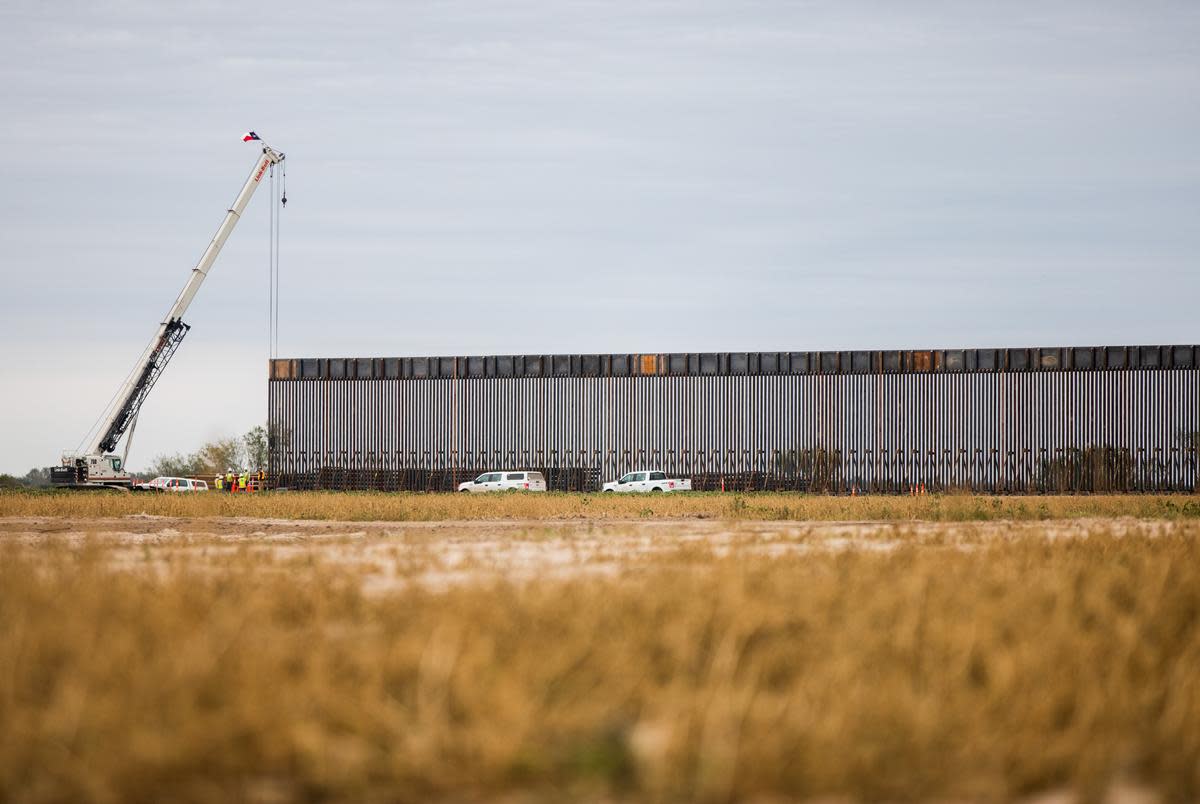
[(250, 135)]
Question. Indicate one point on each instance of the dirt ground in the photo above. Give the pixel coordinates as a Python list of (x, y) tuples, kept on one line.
[(437, 555)]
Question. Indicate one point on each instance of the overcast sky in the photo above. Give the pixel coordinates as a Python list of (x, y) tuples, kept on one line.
[(481, 178)]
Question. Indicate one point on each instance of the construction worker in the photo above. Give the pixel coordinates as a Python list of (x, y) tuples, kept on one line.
[(217, 482), (244, 479), (229, 481)]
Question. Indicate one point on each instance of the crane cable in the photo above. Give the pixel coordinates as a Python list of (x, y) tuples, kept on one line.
[(112, 401), (282, 201), (271, 272), (278, 202)]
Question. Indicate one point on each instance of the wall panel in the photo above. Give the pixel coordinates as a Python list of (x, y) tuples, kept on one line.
[(997, 420)]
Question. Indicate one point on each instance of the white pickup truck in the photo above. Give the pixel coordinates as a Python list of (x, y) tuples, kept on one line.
[(505, 481), (648, 480)]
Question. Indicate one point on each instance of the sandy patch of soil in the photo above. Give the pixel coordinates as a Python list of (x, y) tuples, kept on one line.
[(444, 553)]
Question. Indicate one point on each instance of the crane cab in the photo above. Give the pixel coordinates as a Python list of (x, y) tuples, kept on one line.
[(90, 470)]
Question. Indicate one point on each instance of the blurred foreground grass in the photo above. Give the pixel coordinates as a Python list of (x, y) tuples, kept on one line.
[(986, 672), (367, 506)]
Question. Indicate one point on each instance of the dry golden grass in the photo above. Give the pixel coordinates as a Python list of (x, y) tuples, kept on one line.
[(987, 670), (429, 507)]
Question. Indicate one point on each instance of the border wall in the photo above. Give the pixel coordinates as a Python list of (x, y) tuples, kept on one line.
[(1038, 420)]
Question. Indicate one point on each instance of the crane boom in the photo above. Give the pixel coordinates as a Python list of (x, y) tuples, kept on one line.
[(158, 353), (269, 157)]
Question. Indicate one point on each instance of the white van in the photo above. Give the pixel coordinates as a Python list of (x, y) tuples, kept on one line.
[(505, 481)]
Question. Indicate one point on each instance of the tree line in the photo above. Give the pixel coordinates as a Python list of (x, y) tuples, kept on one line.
[(233, 453)]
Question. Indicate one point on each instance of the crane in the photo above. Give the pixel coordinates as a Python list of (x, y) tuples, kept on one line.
[(98, 465)]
